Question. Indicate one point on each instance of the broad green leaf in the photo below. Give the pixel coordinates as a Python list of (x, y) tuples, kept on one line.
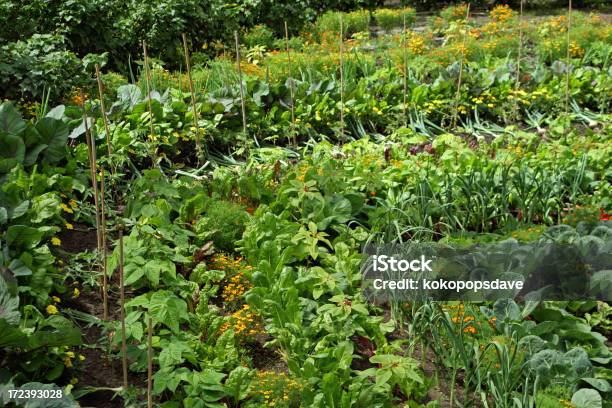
[(587, 398), (22, 236), (10, 120), (45, 206), (12, 151), (55, 134), (599, 384)]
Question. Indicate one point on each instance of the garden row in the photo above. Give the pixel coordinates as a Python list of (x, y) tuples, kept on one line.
[(245, 254)]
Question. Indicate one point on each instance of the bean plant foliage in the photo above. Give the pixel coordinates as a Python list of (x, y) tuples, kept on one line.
[(226, 226)]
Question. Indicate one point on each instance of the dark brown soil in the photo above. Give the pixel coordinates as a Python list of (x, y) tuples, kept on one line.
[(100, 369), (80, 239)]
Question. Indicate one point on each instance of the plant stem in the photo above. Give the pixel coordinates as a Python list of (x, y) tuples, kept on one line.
[(461, 61), (150, 363), (103, 242), (103, 110), (341, 77), (567, 77), (242, 104), (122, 311), (199, 152), (291, 90)]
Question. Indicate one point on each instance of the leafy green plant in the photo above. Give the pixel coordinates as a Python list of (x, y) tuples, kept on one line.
[(38, 64), (388, 19)]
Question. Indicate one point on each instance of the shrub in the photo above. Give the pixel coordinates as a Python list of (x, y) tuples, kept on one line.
[(454, 13), (224, 222), (41, 63), (295, 43), (258, 35), (352, 23), (119, 26), (388, 19)]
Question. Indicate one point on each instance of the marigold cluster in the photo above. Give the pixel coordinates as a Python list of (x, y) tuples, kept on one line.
[(235, 288), (276, 389), (501, 13), (244, 322), (416, 44)]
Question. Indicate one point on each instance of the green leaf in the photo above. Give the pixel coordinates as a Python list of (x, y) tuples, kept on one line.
[(19, 268), (587, 398), (10, 336), (168, 309), (507, 309), (19, 210), (32, 154), (21, 236), (10, 120), (599, 384), (45, 206), (383, 376), (55, 134), (133, 273), (12, 151)]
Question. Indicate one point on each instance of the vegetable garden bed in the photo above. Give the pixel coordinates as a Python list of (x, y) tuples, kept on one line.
[(195, 237)]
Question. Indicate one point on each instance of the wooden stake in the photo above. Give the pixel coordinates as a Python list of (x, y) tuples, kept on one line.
[(520, 49), (199, 151), (103, 249), (341, 76), (461, 61), (91, 155), (103, 109), (567, 78), (405, 55), (92, 160), (122, 311), (291, 89), (148, 81), (244, 119), (150, 364)]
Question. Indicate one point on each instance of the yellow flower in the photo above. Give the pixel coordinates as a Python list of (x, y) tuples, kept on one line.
[(66, 208), (76, 293), (51, 309), (73, 203), (68, 362), (70, 354), (81, 357), (74, 380), (56, 241), (56, 299), (69, 226)]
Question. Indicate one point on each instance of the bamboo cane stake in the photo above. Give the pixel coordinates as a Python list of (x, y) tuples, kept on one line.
[(103, 242), (199, 151), (92, 163), (122, 311), (520, 48), (291, 89), (341, 76), (242, 104), (461, 62), (150, 363), (103, 109), (517, 83), (567, 77), (93, 171), (148, 82), (405, 58)]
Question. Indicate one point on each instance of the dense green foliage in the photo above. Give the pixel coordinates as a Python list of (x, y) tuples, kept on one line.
[(246, 256)]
